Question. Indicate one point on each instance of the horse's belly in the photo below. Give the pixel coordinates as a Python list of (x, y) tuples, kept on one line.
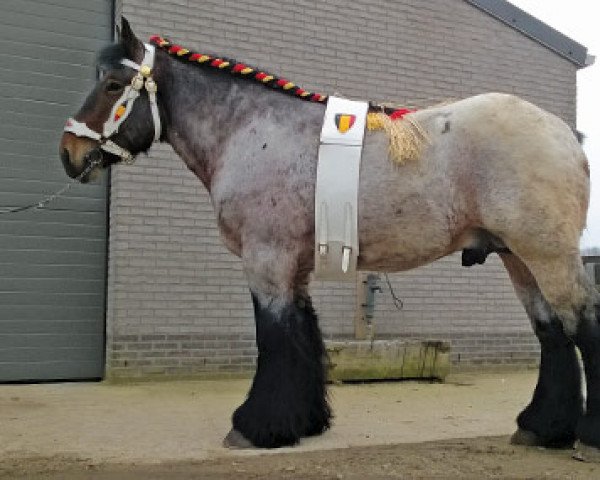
[(397, 250), (407, 230), (406, 214)]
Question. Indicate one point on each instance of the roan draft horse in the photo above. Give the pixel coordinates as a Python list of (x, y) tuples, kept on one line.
[(494, 174)]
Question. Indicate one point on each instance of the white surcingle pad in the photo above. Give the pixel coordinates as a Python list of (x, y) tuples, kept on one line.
[(336, 195)]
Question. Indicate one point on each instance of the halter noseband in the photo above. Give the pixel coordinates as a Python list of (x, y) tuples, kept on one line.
[(122, 108)]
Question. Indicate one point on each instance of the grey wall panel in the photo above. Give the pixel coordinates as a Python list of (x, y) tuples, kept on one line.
[(54, 299), (52, 261), (31, 317)]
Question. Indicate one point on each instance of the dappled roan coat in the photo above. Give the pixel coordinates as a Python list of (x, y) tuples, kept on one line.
[(496, 173)]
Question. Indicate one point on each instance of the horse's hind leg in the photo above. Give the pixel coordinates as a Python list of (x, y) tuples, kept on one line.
[(551, 417), (287, 399), (572, 295)]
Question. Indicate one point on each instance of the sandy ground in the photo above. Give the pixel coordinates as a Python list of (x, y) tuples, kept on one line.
[(174, 430)]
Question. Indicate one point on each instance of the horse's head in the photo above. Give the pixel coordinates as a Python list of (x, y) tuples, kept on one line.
[(120, 117)]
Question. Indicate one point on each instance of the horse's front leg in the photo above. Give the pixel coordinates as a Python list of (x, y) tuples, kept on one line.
[(288, 398)]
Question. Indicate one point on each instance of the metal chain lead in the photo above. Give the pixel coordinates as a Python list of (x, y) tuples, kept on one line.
[(45, 201)]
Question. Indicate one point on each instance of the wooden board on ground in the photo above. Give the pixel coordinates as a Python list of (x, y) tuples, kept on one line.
[(387, 360)]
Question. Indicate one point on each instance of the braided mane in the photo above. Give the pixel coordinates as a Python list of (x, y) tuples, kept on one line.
[(236, 68)]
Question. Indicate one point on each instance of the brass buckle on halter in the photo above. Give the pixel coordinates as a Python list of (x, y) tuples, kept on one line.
[(137, 82), (145, 70)]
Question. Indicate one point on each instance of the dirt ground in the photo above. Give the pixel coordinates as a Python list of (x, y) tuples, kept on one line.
[(456, 430)]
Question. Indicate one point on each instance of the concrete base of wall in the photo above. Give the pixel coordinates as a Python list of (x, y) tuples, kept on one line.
[(388, 359)]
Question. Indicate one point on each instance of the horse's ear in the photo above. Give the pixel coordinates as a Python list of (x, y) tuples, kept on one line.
[(133, 47)]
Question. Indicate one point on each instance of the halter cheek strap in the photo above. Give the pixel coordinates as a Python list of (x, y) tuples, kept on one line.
[(122, 108)]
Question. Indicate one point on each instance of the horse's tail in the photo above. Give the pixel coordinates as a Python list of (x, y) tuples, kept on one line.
[(579, 135)]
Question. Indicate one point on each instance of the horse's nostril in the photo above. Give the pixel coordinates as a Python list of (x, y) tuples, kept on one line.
[(64, 156), (66, 161)]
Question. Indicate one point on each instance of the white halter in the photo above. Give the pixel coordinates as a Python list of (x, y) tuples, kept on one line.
[(122, 108)]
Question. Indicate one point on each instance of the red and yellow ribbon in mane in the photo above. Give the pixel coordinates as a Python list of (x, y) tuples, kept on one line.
[(236, 68)]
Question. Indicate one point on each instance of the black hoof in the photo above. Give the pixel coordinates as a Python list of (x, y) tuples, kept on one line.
[(268, 422), (532, 439), (551, 419), (586, 453), (235, 440), (266, 430), (588, 431), (525, 437), (557, 437)]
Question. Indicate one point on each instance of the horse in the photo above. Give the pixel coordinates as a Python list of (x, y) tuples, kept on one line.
[(494, 174)]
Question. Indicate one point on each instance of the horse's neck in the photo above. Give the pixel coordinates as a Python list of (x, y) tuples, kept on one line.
[(200, 113), (205, 109)]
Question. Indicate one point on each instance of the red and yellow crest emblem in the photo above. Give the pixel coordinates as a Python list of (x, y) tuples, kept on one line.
[(344, 122), (119, 112)]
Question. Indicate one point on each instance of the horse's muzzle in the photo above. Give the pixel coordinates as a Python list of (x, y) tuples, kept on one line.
[(92, 160), (65, 157)]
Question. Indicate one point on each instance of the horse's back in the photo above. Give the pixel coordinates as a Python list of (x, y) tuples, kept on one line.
[(498, 123)]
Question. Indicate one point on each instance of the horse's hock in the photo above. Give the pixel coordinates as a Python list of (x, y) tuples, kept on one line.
[(364, 360)]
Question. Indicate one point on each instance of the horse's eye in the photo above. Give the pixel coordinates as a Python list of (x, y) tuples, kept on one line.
[(113, 87)]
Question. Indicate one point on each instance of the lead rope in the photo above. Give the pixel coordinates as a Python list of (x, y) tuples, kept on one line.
[(398, 303), (49, 198)]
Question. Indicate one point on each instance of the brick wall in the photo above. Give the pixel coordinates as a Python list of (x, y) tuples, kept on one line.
[(177, 300)]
